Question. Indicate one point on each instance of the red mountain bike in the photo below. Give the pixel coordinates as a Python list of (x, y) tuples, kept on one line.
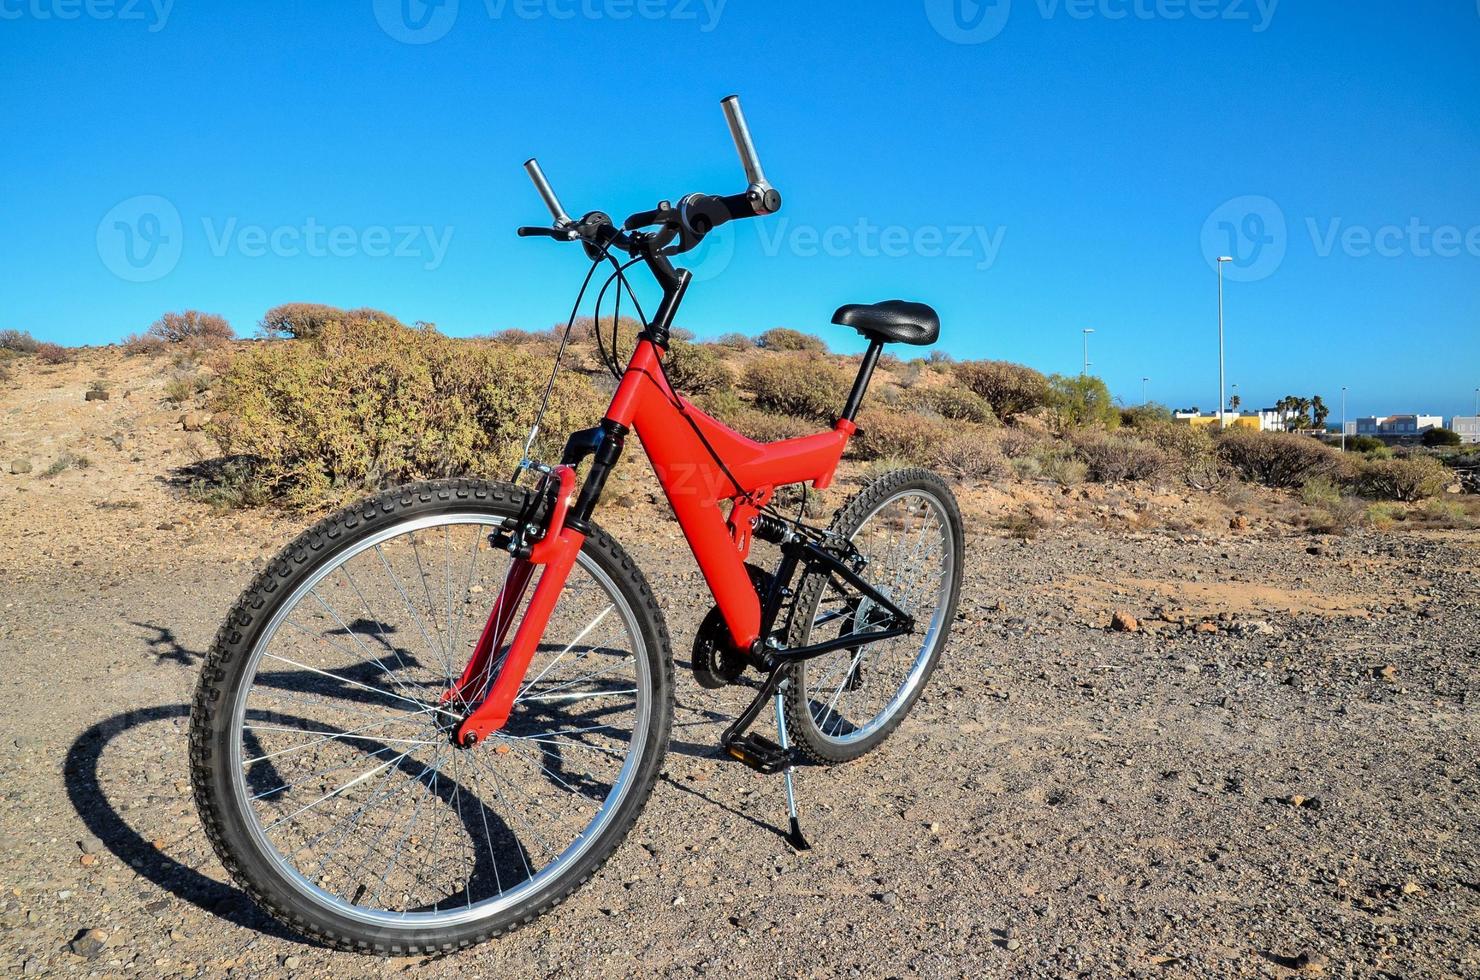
[(437, 712)]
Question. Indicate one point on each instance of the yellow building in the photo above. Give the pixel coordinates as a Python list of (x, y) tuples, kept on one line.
[(1240, 421)]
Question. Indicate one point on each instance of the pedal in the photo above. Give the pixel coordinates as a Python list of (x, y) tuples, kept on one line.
[(759, 753)]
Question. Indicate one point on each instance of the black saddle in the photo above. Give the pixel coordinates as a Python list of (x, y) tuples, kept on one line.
[(891, 322)]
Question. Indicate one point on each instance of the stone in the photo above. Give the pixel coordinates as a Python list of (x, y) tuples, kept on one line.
[(1309, 961), (194, 421), (1387, 672), (1124, 622), (96, 395), (20, 465), (1238, 523), (88, 943), (1206, 626)]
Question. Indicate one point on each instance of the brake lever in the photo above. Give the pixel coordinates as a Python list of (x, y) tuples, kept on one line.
[(559, 234)]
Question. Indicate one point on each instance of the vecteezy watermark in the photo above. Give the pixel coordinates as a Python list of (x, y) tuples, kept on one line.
[(142, 239), (425, 21), (1254, 232), (154, 13), (979, 21), (316, 241), (863, 239)]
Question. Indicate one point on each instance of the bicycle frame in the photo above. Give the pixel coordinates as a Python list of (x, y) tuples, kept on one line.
[(674, 434)]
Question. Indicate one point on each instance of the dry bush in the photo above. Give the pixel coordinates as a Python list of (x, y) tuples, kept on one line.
[(952, 402), (905, 435), (1408, 479), (803, 383), (1120, 458), (192, 327), (302, 320), (1020, 443), (696, 369), (734, 341), (19, 341), (1065, 470), (968, 455), (1191, 452), (766, 427), (50, 353), (1276, 459), (786, 339), (1009, 388), (375, 403), (143, 344)]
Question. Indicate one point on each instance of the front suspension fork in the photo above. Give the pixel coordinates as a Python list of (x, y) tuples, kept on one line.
[(556, 550)]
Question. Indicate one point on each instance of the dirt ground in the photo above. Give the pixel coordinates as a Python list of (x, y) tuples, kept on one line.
[(1276, 774)]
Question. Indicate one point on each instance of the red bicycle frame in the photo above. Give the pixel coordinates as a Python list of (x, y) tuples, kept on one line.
[(686, 448)]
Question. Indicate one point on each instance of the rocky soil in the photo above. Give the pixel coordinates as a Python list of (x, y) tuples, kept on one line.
[(1271, 768)]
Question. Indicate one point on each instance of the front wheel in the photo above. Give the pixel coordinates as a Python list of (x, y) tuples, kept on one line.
[(321, 747), (907, 525)]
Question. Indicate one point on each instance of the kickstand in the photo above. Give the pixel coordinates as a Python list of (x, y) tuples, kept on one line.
[(795, 838)]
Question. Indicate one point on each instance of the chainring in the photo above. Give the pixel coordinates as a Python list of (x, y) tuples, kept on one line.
[(715, 661)]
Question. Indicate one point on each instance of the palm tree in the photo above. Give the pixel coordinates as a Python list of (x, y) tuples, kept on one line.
[(1321, 412), (1234, 403)]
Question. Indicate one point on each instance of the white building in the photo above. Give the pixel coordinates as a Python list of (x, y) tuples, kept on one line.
[(1398, 426), (1468, 427)]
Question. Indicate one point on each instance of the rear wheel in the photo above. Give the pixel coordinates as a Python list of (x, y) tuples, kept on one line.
[(322, 756), (842, 704)]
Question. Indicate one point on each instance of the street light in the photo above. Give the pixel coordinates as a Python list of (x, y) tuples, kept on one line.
[(1144, 400), (1343, 418), (1087, 332), (1222, 417)]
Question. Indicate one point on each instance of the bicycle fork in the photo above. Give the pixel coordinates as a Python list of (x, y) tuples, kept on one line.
[(556, 550)]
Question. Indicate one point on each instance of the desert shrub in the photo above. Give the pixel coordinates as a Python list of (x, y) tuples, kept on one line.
[(803, 383), (302, 320), (906, 435), (514, 335), (1025, 468), (1365, 444), (184, 385), (724, 404), (192, 327), (1191, 452), (50, 353), (1025, 525), (968, 455), (363, 405), (1147, 415), (1081, 400), (19, 341), (143, 343), (953, 402), (1009, 388), (1115, 458), (1336, 515), (1065, 470), (786, 339), (734, 341), (1409, 479), (1441, 437), (1019, 443), (1276, 459), (696, 369), (66, 461), (1320, 491), (767, 427)]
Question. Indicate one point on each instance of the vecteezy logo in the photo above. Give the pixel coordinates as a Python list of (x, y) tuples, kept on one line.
[(140, 239), (1253, 232), (416, 21), (969, 21), (713, 255)]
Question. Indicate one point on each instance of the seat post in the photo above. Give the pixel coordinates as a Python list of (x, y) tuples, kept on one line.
[(860, 383)]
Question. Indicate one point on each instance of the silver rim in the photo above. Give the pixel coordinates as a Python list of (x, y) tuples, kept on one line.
[(342, 758), (909, 544)]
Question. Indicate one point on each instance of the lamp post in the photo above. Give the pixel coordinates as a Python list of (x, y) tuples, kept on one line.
[(1477, 401), (1087, 332), (1144, 400), (1222, 415), (1343, 418)]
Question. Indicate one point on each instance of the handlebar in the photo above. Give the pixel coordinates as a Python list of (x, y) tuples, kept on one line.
[(744, 145), (695, 215)]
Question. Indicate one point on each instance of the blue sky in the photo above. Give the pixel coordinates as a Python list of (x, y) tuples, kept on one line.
[(1031, 167)]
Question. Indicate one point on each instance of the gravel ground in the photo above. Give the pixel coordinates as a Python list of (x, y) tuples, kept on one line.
[(1277, 772)]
